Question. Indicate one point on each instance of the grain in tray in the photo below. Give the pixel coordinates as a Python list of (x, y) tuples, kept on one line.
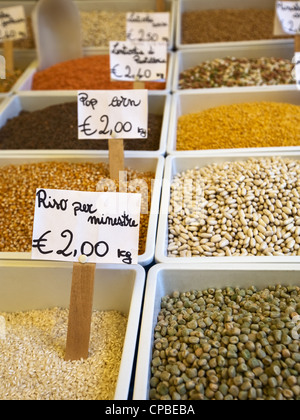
[(246, 125), (10, 79), (227, 25), (55, 127), (18, 184), (86, 73), (32, 361)]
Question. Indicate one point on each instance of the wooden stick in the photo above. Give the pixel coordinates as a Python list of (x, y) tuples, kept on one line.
[(116, 157), (8, 47), (80, 312), (160, 5), (297, 43)]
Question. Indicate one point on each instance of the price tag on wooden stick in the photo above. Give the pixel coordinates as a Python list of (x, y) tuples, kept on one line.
[(296, 71), (80, 311)]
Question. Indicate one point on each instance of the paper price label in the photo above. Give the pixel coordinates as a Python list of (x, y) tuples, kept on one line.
[(138, 61), (288, 14), (105, 114), (12, 24), (103, 227), (148, 27)]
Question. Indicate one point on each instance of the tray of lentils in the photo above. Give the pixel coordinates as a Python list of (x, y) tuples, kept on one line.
[(220, 334), (19, 182), (227, 25)]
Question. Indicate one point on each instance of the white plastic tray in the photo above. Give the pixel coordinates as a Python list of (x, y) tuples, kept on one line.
[(177, 164), (187, 102), (164, 279), (24, 60), (189, 58), (31, 285), (126, 6), (159, 103), (154, 164), (192, 5)]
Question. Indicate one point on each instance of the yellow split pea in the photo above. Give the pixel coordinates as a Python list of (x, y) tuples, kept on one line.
[(257, 124)]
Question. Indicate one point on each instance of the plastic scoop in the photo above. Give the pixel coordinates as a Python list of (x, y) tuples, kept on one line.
[(56, 26)]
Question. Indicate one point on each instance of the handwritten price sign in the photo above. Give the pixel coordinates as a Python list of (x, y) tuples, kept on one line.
[(12, 24), (113, 114), (103, 227), (142, 61), (288, 14)]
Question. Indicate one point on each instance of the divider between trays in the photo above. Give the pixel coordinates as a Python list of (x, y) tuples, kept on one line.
[(154, 164)]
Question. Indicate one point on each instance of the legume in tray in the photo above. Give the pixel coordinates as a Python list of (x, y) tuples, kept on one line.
[(227, 25), (55, 127), (18, 184), (10, 79), (90, 73), (32, 362), (244, 208), (231, 71), (98, 27), (227, 344), (257, 124)]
